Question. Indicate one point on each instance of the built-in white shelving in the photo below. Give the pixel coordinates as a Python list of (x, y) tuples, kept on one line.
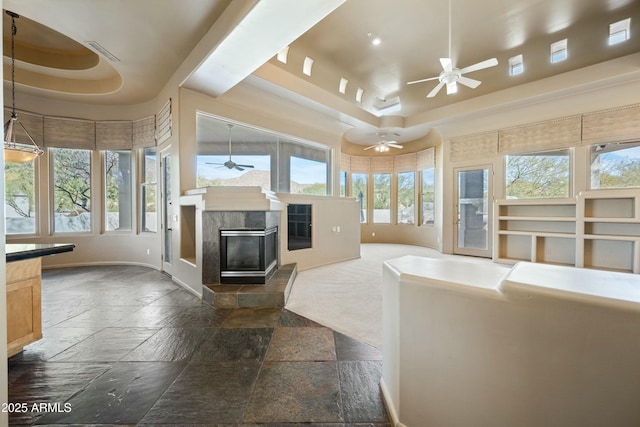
[(598, 229)]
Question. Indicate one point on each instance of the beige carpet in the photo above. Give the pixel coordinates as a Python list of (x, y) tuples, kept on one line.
[(347, 296)]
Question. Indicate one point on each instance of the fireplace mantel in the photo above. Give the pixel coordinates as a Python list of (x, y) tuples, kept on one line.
[(237, 199)]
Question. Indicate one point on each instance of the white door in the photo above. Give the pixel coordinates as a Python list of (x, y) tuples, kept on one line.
[(474, 196)]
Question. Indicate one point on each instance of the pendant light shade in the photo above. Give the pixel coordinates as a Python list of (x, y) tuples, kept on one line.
[(16, 152)]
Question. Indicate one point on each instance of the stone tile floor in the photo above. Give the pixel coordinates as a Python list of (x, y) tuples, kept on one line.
[(126, 346)]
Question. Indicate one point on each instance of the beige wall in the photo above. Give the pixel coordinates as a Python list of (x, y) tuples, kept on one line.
[(335, 231)]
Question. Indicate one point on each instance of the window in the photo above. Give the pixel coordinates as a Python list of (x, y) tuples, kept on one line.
[(406, 197), (538, 175), (149, 214), (343, 183), (71, 190), (559, 51), (359, 191), (516, 65), (248, 170), (307, 176), (20, 201), (118, 197), (615, 165), (382, 198), (619, 31), (307, 66), (428, 196)]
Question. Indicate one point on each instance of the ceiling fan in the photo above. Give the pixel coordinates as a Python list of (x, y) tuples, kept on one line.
[(230, 164), (383, 145), (451, 76)]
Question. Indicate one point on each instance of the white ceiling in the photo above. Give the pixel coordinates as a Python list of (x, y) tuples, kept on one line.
[(153, 38)]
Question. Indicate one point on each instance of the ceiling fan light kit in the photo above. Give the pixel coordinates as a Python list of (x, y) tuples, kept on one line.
[(451, 76)]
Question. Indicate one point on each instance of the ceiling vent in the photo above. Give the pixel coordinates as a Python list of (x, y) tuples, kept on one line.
[(104, 52)]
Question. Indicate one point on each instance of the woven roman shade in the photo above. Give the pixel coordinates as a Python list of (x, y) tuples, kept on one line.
[(615, 125), (62, 132), (144, 132), (548, 135), (345, 162), (360, 164), (34, 123), (381, 164), (405, 162), (163, 123), (114, 135), (426, 159), (476, 146)]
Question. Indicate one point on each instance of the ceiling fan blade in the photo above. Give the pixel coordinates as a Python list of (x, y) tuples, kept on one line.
[(472, 83), (209, 163), (452, 88), (422, 80), (435, 90), (239, 168), (390, 144), (245, 166), (447, 64), (371, 146), (480, 66)]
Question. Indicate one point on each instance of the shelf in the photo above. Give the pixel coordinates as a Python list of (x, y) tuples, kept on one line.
[(535, 218), (599, 229), (613, 220), (612, 237), (537, 234), (611, 207)]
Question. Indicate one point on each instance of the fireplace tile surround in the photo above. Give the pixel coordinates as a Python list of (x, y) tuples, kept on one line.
[(214, 221)]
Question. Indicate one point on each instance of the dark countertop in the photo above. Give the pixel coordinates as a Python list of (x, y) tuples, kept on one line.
[(20, 251)]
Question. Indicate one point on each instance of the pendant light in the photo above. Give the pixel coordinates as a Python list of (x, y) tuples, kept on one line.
[(15, 151)]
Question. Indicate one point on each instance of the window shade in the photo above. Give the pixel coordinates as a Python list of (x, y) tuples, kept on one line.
[(144, 132), (116, 135), (345, 162), (34, 123), (405, 162), (163, 123), (360, 164), (381, 164), (477, 146), (426, 159), (560, 133), (69, 133), (615, 125)]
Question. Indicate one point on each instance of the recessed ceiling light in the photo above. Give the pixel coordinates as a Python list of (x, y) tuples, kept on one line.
[(374, 39), (359, 94)]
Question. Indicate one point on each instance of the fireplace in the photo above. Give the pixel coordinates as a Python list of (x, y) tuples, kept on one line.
[(248, 256)]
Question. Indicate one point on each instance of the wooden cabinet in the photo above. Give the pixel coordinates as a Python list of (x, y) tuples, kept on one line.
[(598, 229), (24, 323)]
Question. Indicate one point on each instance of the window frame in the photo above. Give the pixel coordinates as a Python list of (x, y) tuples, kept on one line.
[(142, 190), (105, 195), (92, 190), (35, 164), (413, 192), (570, 171)]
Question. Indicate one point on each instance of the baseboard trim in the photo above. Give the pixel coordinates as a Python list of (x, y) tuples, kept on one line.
[(391, 410)]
